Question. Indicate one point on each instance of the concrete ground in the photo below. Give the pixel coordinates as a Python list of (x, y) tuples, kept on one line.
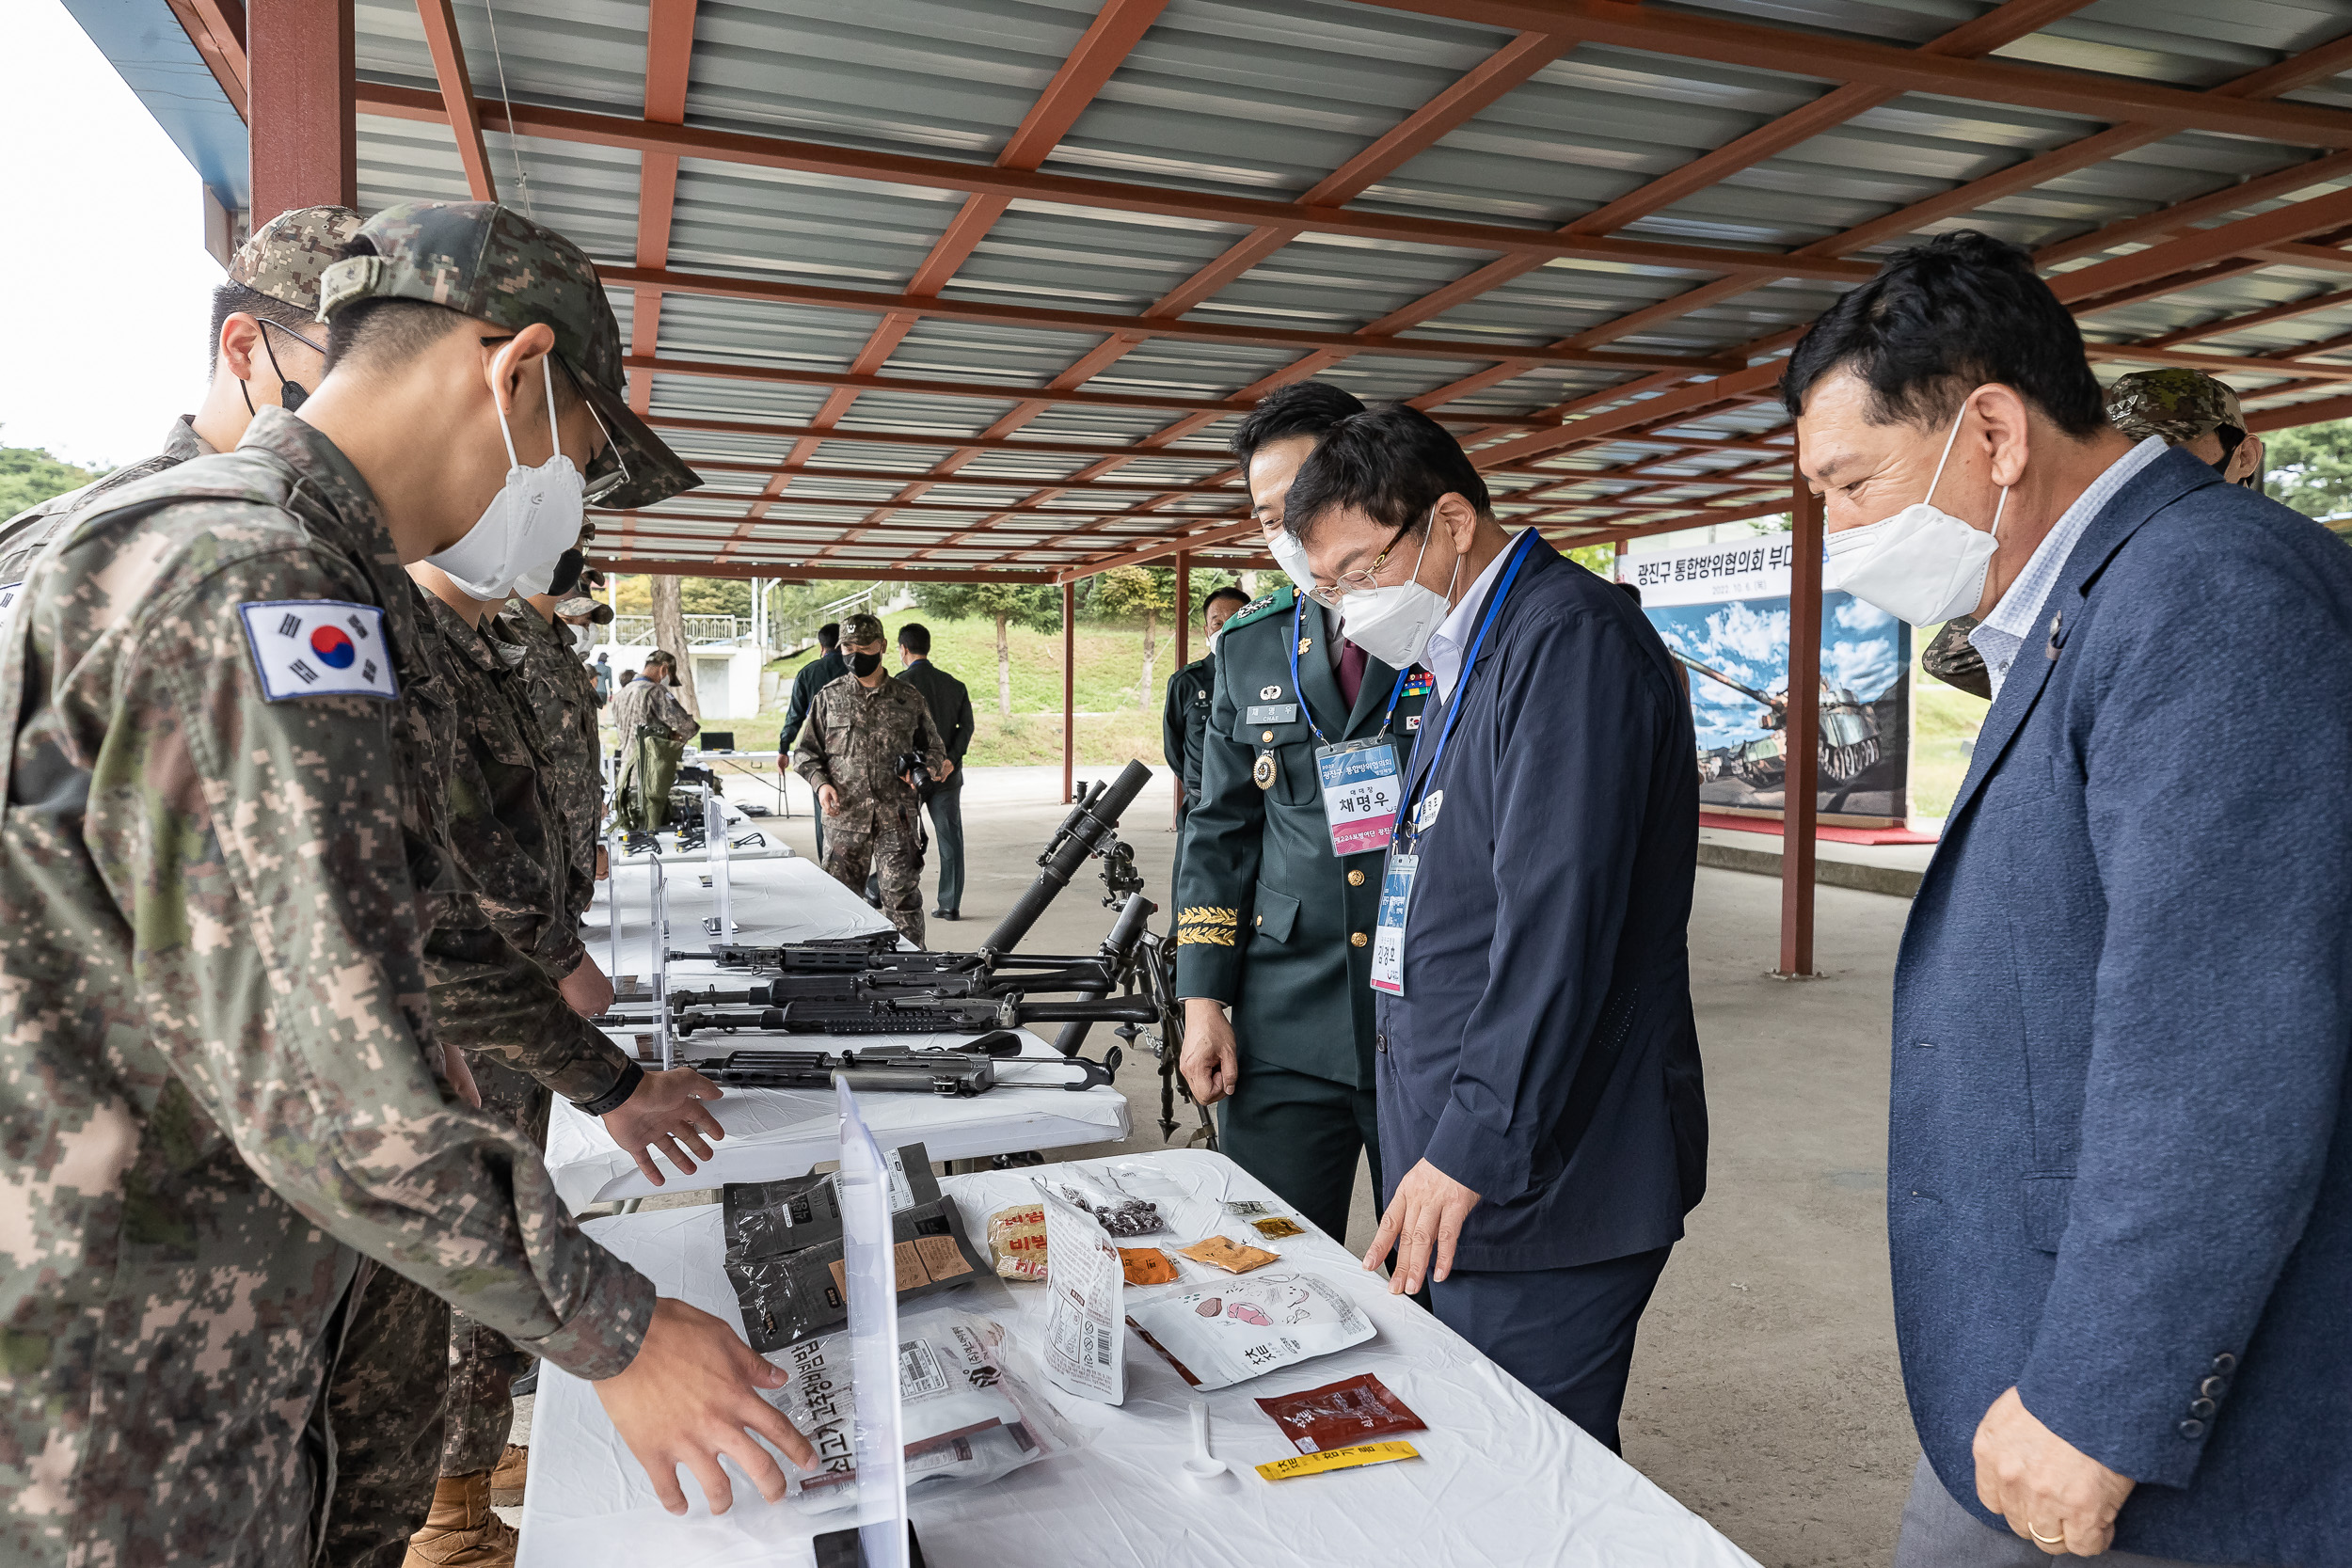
[(1765, 1392)]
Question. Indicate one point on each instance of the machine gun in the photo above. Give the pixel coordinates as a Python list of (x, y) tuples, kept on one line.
[(957, 1074)]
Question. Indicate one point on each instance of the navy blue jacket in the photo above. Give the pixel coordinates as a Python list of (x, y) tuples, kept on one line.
[(2119, 1169), (1544, 1051)]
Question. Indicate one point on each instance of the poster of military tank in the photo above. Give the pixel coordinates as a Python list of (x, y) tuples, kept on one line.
[(1723, 611)]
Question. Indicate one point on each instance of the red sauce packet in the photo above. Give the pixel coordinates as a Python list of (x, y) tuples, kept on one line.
[(1340, 1415)]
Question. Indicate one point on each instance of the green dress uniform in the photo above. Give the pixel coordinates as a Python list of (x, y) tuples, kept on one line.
[(1270, 921), (1182, 722)]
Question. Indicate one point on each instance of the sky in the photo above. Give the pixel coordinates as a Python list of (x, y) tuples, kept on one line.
[(101, 254)]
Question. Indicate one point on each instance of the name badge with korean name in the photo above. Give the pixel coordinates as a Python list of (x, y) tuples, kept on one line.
[(1271, 713), (1361, 791), (1388, 937)]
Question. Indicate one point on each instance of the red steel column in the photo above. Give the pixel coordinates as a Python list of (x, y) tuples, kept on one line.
[(1802, 786), (1183, 647), (1069, 691), (305, 148)]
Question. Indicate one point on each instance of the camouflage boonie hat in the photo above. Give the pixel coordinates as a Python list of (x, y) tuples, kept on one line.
[(492, 263), (861, 628), (2175, 403), (285, 257)]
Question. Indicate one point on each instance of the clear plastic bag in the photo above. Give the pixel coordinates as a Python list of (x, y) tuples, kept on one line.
[(973, 1408), (1227, 1331), (1121, 1213)]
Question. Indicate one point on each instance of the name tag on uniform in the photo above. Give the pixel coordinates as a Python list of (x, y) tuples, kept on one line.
[(1388, 937), (318, 648), (1361, 793), (1271, 713)]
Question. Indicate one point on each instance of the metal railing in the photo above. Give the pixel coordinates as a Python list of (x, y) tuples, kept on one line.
[(636, 631)]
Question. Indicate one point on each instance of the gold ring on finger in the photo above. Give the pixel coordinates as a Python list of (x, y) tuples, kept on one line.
[(2057, 1540)]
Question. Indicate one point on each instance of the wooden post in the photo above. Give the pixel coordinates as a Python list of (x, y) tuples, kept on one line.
[(1801, 791), (300, 105), (1183, 651), (1069, 691)]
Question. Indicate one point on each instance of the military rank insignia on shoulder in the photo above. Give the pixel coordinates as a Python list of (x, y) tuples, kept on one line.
[(318, 648), (1256, 607)]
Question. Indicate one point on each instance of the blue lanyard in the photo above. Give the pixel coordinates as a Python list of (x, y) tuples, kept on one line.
[(1470, 665), (1299, 624)]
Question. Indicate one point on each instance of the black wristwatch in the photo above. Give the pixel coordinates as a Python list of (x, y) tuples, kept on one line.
[(613, 1097)]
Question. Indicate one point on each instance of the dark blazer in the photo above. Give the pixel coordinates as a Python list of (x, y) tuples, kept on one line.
[(813, 676), (1266, 911), (2119, 1164), (1544, 1050), (951, 710)]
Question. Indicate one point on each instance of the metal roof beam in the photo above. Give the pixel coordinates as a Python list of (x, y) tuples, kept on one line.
[(669, 62), (968, 480), (1826, 56), (797, 573), (893, 168), (449, 68), (912, 307), (216, 27)]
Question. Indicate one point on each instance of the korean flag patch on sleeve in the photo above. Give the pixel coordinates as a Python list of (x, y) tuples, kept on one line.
[(318, 648)]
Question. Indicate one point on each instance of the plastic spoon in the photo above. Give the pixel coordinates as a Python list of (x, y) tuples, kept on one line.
[(1202, 1467)]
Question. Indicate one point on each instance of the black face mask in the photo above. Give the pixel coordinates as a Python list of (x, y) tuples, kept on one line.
[(863, 665), (567, 569)]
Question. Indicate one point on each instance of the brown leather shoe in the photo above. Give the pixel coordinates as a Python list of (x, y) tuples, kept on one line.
[(461, 1532), (507, 1482)]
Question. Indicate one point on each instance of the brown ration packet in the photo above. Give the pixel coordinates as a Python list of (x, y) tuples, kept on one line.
[(1147, 1265), (1224, 1253), (1277, 1227)]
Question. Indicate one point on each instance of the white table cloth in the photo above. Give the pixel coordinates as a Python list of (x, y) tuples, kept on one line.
[(1503, 1477)]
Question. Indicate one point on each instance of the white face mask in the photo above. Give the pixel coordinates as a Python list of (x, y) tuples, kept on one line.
[(1395, 624), (1922, 565), (1290, 556), (1214, 635), (514, 544)]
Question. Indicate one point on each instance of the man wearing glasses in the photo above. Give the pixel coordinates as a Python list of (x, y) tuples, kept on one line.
[(1540, 1104), (1278, 872)]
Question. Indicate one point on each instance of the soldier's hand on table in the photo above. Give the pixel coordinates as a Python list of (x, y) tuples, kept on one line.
[(586, 989), (1427, 1210), (829, 799), (1212, 1061), (688, 1398), (2050, 1492), (667, 1112)]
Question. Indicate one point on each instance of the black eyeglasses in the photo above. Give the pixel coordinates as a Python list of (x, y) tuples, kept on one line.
[(607, 471)]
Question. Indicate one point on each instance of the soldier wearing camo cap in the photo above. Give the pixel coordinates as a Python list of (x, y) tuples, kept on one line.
[(2181, 408), (266, 349), (219, 1080), (858, 730)]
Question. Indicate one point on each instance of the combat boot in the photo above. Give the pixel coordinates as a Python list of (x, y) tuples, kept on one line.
[(507, 1482), (461, 1532)]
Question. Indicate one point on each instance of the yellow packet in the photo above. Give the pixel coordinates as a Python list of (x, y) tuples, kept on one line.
[(1337, 1459), (1147, 1265), (1224, 1253), (1277, 1227)]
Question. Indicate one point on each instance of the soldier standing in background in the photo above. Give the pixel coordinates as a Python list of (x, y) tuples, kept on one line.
[(950, 708), (264, 355), (858, 730), (206, 817), (646, 707), (1185, 718), (817, 673)]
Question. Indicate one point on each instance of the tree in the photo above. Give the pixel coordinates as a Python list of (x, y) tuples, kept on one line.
[(1034, 606), (1124, 592), (2310, 469), (669, 634), (28, 476)]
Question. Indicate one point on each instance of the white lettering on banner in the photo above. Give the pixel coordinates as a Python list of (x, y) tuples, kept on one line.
[(1698, 574)]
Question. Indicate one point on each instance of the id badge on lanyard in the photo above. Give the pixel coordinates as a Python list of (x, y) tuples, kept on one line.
[(1388, 936), (1362, 787)]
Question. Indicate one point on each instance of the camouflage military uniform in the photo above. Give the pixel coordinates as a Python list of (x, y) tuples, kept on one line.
[(23, 536), (560, 695), (853, 740), (644, 702), (219, 1078)]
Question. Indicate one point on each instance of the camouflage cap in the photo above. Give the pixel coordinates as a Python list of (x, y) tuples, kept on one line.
[(861, 628), (2175, 403), (494, 264), (596, 610), (286, 256)]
